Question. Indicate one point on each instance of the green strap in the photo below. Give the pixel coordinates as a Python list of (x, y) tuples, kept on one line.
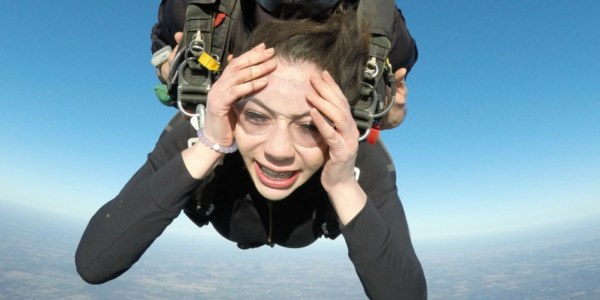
[(162, 94)]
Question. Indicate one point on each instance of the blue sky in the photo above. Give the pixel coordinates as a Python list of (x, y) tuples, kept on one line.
[(502, 129)]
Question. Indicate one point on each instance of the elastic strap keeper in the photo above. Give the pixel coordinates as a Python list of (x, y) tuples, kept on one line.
[(208, 62)]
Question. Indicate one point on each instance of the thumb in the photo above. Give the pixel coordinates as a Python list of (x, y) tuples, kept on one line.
[(399, 76), (178, 36)]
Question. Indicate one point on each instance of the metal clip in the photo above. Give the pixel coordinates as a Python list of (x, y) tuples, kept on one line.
[(201, 113), (371, 69)]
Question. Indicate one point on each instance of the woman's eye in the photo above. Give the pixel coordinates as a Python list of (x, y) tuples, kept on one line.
[(256, 118), (308, 127)]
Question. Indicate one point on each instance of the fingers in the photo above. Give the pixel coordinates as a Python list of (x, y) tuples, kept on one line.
[(165, 67), (341, 118), (255, 72), (178, 37), (342, 146), (251, 65), (400, 76), (329, 133), (401, 90), (332, 101), (333, 85), (240, 90), (328, 89), (246, 74), (253, 57)]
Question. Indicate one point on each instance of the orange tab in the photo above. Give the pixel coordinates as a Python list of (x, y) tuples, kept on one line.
[(219, 18), (373, 135)]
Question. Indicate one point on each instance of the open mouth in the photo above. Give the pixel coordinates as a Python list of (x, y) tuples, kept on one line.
[(275, 179)]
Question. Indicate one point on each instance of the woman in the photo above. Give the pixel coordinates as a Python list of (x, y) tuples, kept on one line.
[(286, 108)]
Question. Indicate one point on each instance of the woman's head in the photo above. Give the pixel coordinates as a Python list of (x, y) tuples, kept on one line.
[(338, 45), (275, 134)]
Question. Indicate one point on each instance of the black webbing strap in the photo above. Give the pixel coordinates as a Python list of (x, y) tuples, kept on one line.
[(380, 16), (201, 15), (195, 80), (222, 33)]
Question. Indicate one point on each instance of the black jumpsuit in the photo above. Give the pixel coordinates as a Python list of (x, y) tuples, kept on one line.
[(378, 240)]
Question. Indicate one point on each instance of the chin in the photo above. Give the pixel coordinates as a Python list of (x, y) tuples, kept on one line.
[(273, 194)]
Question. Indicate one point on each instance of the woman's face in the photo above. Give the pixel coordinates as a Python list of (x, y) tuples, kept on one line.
[(275, 134)]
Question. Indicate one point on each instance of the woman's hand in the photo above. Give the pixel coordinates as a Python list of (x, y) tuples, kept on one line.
[(242, 76), (338, 173)]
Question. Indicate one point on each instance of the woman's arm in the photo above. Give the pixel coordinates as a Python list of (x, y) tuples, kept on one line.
[(374, 225), (121, 231), (378, 238)]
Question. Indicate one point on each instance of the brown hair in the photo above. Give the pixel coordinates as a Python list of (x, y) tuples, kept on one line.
[(337, 44)]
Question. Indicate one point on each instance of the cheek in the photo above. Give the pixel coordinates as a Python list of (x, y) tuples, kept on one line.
[(314, 158), (248, 145)]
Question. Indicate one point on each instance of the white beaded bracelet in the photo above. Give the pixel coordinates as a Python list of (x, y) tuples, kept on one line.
[(216, 147)]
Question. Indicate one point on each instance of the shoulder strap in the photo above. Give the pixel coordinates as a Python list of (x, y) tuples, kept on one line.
[(202, 52), (371, 107), (214, 19), (380, 14)]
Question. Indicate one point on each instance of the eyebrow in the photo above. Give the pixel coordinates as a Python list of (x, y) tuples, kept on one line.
[(259, 103)]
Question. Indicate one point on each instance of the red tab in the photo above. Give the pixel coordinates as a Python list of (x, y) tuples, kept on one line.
[(374, 134), (219, 18)]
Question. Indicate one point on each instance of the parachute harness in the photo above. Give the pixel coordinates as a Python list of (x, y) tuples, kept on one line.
[(206, 37), (370, 109), (197, 64)]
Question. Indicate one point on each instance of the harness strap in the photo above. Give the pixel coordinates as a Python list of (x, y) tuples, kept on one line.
[(203, 51), (380, 16)]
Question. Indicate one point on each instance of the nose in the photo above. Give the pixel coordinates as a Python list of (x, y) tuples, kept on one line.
[(279, 147)]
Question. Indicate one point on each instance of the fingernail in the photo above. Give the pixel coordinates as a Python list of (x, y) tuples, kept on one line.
[(259, 47), (270, 51), (271, 63)]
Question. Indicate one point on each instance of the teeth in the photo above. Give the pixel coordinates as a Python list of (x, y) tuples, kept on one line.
[(276, 175)]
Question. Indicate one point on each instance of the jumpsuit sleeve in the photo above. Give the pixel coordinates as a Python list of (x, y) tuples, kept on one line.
[(121, 231), (404, 53), (378, 238), (171, 19), (156, 37)]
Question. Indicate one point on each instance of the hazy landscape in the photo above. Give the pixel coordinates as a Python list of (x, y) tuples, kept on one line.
[(37, 252)]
